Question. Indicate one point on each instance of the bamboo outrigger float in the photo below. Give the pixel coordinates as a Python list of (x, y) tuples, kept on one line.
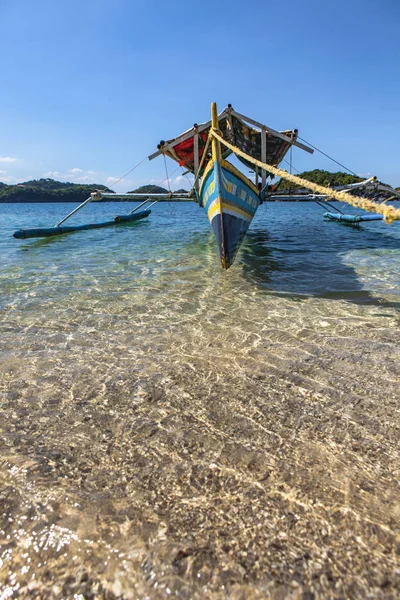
[(44, 232), (351, 219), (59, 229)]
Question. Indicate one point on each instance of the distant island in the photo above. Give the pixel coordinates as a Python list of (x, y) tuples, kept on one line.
[(153, 189), (49, 190)]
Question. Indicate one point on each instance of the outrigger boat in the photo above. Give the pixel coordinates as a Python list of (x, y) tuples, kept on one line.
[(229, 198)]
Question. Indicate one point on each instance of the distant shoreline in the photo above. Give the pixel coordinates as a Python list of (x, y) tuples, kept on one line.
[(285, 198), (49, 191)]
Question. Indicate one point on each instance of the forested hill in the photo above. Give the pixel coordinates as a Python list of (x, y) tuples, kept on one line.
[(323, 178), (153, 189), (48, 190), (147, 189)]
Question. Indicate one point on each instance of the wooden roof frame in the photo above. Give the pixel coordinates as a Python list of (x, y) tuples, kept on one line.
[(228, 110)]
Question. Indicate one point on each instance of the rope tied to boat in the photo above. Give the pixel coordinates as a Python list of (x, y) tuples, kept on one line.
[(389, 213)]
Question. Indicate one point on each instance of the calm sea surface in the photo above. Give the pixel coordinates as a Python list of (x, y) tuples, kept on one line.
[(169, 429)]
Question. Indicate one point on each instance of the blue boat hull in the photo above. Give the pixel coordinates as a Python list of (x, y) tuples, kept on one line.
[(230, 201)]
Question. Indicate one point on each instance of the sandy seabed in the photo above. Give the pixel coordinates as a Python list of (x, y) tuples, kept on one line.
[(193, 443)]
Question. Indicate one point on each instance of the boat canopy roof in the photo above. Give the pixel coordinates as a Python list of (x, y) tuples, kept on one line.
[(236, 129)]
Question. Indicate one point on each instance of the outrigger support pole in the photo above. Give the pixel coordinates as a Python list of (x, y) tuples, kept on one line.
[(137, 208), (93, 196), (152, 204), (172, 197), (141, 204)]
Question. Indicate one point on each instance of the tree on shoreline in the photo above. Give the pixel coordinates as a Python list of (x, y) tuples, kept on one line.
[(322, 177)]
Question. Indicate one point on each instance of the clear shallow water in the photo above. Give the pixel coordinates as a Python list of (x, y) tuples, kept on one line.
[(289, 248), (169, 428)]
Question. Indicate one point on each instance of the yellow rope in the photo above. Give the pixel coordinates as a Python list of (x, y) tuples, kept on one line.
[(389, 213)]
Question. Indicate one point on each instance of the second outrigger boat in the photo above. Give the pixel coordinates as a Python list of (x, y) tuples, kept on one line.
[(229, 198)]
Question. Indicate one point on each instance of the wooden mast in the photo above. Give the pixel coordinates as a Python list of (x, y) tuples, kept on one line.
[(216, 157), (216, 147)]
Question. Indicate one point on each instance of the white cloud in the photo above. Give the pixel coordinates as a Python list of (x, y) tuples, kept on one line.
[(182, 182), (121, 186), (52, 174), (74, 175), (84, 179), (9, 179), (7, 159), (3, 172)]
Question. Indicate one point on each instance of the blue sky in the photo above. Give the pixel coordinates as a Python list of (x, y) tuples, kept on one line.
[(89, 87)]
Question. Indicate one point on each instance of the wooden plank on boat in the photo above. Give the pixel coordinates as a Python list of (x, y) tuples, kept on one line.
[(159, 197)]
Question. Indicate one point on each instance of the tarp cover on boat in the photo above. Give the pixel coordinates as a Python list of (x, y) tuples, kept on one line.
[(249, 141), (183, 152), (238, 133)]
